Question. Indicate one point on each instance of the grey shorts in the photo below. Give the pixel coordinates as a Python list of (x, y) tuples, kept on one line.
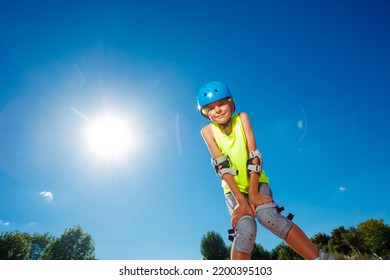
[(231, 203)]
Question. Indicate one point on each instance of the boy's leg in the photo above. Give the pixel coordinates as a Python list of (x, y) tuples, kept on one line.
[(300, 243), (236, 255), (294, 236), (269, 215), (244, 240), (245, 233)]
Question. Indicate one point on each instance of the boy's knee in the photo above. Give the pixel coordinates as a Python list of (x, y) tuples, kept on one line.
[(245, 234), (271, 219)]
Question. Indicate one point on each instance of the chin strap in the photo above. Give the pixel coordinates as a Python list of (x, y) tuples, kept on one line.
[(225, 126)]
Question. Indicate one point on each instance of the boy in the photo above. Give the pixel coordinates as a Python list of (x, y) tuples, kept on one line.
[(238, 162)]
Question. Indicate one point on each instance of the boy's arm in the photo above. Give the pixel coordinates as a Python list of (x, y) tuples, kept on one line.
[(254, 196), (242, 205)]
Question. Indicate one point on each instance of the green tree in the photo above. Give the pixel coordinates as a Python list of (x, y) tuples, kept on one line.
[(321, 240), (354, 241), (213, 247), (14, 246), (339, 241), (258, 253), (39, 245), (375, 237), (73, 244), (284, 252)]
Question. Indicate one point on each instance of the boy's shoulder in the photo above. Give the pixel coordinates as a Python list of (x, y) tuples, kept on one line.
[(243, 116), (206, 129)]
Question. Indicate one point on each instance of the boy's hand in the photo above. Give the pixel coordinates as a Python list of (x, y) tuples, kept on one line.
[(259, 199), (239, 211)]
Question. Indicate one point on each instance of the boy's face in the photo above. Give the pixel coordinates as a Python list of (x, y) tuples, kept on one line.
[(219, 111)]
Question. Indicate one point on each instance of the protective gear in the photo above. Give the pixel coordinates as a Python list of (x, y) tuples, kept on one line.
[(257, 168), (269, 216), (281, 209), (231, 234), (322, 255), (245, 234), (211, 92), (237, 153), (222, 166)]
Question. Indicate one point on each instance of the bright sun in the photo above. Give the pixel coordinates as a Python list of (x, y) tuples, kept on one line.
[(109, 136)]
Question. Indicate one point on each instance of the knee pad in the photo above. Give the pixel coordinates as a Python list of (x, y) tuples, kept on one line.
[(270, 218), (245, 234)]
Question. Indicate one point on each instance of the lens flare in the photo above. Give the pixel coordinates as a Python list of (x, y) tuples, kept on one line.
[(109, 136)]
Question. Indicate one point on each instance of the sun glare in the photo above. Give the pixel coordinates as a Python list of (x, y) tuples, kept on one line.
[(109, 137)]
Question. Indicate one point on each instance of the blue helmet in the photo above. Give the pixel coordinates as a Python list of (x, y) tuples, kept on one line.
[(211, 92)]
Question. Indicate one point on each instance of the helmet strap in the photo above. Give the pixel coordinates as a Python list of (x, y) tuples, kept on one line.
[(225, 126)]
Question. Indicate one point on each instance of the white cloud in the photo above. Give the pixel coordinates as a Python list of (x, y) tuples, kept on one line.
[(47, 195), (4, 223), (342, 189)]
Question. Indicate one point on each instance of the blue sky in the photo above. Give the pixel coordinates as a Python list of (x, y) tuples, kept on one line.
[(312, 75)]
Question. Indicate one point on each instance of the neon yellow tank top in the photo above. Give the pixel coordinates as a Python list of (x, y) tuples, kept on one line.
[(234, 146)]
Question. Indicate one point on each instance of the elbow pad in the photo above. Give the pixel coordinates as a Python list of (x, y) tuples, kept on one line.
[(222, 166), (257, 168)]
